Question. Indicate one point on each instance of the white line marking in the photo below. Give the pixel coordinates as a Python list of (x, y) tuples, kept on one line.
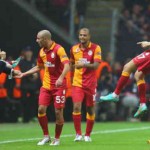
[(70, 135)]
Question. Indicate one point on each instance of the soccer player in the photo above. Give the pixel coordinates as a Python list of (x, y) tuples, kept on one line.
[(140, 64), (5, 67), (85, 59), (53, 58)]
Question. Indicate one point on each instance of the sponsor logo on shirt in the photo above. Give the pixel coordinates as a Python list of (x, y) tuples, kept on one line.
[(49, 64), (84, 60)]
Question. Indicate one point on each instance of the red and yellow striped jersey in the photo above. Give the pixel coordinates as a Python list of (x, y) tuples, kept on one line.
[(53, 61), (85, 77)]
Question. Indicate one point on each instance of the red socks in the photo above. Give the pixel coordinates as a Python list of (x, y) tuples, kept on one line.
[(43, 123), (58, 130), (89, 127), (142, 90), (89, 124), (77, 122), (122, 82)]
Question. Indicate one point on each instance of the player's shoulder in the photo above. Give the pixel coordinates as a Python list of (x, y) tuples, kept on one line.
[(58, 46), (74, 47), (41, 51)]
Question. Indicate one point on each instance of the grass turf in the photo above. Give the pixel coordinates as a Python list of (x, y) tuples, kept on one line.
[(106, 136)]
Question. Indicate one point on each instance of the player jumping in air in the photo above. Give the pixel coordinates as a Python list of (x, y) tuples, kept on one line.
[(140, 64)]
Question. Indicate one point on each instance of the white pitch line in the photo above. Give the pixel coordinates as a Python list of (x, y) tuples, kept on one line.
[(70, 135)]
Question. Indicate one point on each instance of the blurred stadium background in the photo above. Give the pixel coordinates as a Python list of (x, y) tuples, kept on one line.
[(116, 25)]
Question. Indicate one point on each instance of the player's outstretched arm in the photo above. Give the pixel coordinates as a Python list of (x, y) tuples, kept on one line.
[(29, 72), (144, 44)]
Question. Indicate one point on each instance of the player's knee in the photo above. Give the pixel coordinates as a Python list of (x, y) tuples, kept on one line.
[(41, 110), (59, 114), (138, 76), (126, 67), (90, 110), (77, 108)]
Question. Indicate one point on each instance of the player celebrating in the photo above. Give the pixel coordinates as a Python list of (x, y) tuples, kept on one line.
[(53, 58), (85, 58), (141, 64)]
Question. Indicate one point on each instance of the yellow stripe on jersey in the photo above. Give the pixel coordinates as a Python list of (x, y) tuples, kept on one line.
[(62, 54), (46, 79), (97, 54), (77, 80)]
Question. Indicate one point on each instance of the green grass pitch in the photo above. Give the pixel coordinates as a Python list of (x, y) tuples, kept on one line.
[(105, 136)]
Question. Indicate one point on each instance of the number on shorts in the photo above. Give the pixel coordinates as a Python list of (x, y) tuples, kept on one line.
[(60, 99)]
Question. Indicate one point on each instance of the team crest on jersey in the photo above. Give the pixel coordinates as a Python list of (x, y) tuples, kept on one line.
[(52, 55), (77, 50), (90, 52)]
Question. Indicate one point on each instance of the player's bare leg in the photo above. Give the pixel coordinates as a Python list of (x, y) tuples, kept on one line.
[(43, 121), (58, 126), (127, 70), (77, 120), (139, 77), (90, 118)]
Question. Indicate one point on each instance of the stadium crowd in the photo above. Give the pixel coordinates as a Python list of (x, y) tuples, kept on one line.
[(133, 26), (61, 9)]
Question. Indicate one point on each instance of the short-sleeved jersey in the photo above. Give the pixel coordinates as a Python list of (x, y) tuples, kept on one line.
[(142, 62), (85, 77), (53, 61)]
